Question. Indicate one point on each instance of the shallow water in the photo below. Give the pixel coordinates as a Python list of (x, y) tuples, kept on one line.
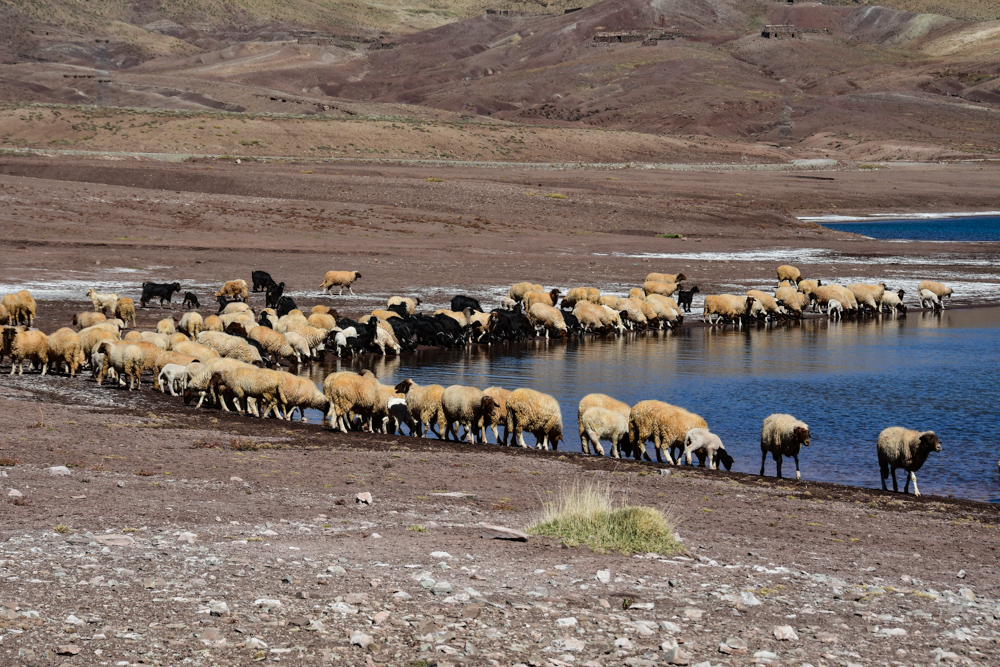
[(973, 228), (848, 381)]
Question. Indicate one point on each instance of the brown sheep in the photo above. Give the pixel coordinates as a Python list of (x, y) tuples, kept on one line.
[(339, 279), (125, 311), (550, 298), (235, 289), (26, 345), (665, 424), (537, 413), (88, 319), (351, 394), (663, 289), (424, 404), (27, 307), (665, 278), (66, 350)]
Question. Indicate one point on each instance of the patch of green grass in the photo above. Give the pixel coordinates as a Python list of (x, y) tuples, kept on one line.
[(556, 195), (586, 514), (417, 529)]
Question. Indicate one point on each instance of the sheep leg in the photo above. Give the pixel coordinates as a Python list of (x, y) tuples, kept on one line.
[(585, 441), (45, 367), (777, 461), (519, 434), (597, 445), (884, 474), (913, 476), (351, 289), (469, 433), (798, 475)]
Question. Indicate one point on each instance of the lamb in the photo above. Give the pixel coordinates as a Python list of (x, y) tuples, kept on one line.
[(22, 345), (598, 424), (302, 393), (424, 403), (666, 424), (235, 289), (835, 309), (190, 301), (202, 353), (728, 307), (97, 364), (166, 358), (65, 349), (941, 291), (172, 377), (498, 416), (191, 324), (788, 297), (103, 303), (518, 290), (125, 311), (410, 303), (88, 319), (385, 339), (126, 360), (467, 407), (665, 278), (537, 413), (166, 326), (789, 273), (607, 403), (299, 345), (907, 449), (26, 307), (232, 347), (550, 298), (547, 317), (782, 435), (929, 299), (654, 287), (315, 338), (339, 279), (708, 445), (348, 393)]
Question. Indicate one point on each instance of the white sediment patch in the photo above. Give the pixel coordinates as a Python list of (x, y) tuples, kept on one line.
[(893, 217)]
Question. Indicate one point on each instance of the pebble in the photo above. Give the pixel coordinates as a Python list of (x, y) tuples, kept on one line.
[(115, 540), (693, 614), (402, 595), (14, 493), (940, 655), (961, 574), (73, 620), (361, 639), (336, 569), (427, 583), (675, 655), (670, 626), (785, 633), (749, 599), (254, 642), (363, 498), (343, 608), (567, 622), (190, 538), (603, 576), (381, 617), (623, 643), (441, 588), (440, 555), (967, 593), (219, 609), (57, 471), (267, 603)]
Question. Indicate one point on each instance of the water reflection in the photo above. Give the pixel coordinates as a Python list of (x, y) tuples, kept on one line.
[(848, 380)]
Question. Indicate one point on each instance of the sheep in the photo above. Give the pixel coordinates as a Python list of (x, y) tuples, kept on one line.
[(663, 289), (589, 316), (126, 359), (213, 323), (868, 296), (232, 347), (782, 435), (410, 303), (767, 302), (666, 424), (708, 445), (467, 407), (10, 305), (200, 375), (460, 317), (64, 349), (97, 363), (806, 286), (537, 413), (665, 278), (550, 298), (200, 352), (424, 403), (846, 297), (904, 448), (166, 326), (611, 318), (257, 386), (125, 311), (299, 345), (598, 423), (397, 414), (385, 339), (893, 301), (518, 290), (91, 337), (235, 289), (789, 273), (88, 319), (26, 305), (547, 317), (941, 291), (133, 336), (166, 358), (727, 306), (608, 300), (172, 377), (821, 296), (788, 297), (234, 307), (244, 319), (929, 299), (632, 312), (580, 294), (314, 338), (348, 393), (646, 309), (175, 338), (302, 393), (273, 344), (30, 345), (339, 279), (498, 416), (323, 321), (103, 303), (191, 324), (605, 402), (835, 309), (4, 315), (157, 339), (662, 311)]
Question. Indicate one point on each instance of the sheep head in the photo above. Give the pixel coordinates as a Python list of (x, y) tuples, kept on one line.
[(798, 279), (680, 277), (488, 405), (723, 457), (930, 440), (801, 435), (404, 386)]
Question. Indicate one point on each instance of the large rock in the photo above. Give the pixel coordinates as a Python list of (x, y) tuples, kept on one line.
[(494, 532), (115, 540), (59, 471)]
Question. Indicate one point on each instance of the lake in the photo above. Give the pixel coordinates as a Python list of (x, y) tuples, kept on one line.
[(968, 228), (847, 380)]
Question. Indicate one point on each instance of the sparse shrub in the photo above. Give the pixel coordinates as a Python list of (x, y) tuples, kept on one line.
[(8, 462), (418, 529), (61, 529)]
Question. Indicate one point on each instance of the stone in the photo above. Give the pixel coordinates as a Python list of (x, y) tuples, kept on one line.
[(785, 633), (736, 645), (219, 609), (644, 630), (190, 538), (68, 649), (121, 485), (670, 626), (355, 598), (693, 614), (298, 621), (440, 555), (402, 595), (749, 599), (235, 479), (336, 569), (14, 493), (452, 494), (675, 655), (961, 574), (567, 622), (343, 608), (427, 583), (603, 576), (494, 532), (363, 498), (381, 617), (441, 588), (826, 637), (623, 643), (115, 540), (764, 656), (211, 634), (254, 642), (940, 655), (967, 593), (59, 471), (572, 645), (892, 632), (267, 603), (73, 620), (361, 639), (472, 611)]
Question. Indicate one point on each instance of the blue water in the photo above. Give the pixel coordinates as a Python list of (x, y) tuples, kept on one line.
[(848, 381), (977, 228)]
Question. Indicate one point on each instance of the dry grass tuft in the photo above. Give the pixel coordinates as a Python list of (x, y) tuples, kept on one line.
[(586, 514), (7, 462)]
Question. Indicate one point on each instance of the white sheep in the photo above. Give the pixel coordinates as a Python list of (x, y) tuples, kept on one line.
[(467, 407), (929, 299), (706, 445), (547, 317), (835, 309), (537, 413), (598, 424), (173, 377), (900, 447), (103, 303), (782, 435)]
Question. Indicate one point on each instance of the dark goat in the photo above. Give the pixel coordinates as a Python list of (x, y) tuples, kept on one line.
[(399, 309), (274, 294), (431, 331), (191, 301), (460, 303), (262, 281), (504, 326), (404, 333), (284, 306), (163, 291), (684, 297), (573, 327)]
